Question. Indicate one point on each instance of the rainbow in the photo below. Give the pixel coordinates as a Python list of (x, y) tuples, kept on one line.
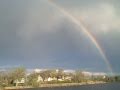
[(85, 30)]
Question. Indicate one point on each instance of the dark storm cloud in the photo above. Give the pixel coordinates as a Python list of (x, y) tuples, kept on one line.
[(34, 34)]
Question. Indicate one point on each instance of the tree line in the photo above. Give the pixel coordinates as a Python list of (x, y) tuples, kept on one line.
[(8, 77)]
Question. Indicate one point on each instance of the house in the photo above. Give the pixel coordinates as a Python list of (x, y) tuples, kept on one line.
[(40, 79), (22, 80), (60, 79), (68, 78), (51, 79), (19, 83)]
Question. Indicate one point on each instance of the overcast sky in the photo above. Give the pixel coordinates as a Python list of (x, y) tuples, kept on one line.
[(35, 34)]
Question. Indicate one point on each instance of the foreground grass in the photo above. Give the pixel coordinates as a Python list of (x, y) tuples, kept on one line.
[(52, 85)]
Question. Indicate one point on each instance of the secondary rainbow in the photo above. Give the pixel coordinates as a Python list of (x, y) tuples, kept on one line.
[(85, 30)]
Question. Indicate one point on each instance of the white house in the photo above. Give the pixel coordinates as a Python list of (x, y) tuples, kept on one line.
[(69, 78), (40, 79), (21, 82), (51, 79)]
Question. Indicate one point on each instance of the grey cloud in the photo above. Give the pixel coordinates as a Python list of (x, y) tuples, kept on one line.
[(33, 37)]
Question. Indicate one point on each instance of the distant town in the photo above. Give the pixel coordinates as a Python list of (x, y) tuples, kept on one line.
[(40, 77)]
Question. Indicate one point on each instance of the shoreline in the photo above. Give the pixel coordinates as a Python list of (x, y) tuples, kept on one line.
[(52, 85)]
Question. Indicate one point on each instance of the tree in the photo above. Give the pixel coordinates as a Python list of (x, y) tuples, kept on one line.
[(7, 77), (16, 74), (117, 78), (32, 80), (79, 76), (3, 79)]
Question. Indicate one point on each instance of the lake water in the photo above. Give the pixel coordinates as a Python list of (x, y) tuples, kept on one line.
[(111, 86)]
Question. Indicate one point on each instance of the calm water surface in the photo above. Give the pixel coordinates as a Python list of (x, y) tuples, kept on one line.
[(111, 86)]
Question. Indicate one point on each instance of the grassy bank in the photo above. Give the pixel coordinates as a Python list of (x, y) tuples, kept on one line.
[(52, 85)]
